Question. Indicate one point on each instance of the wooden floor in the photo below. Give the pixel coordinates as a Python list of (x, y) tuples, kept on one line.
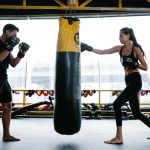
[(39, 134)]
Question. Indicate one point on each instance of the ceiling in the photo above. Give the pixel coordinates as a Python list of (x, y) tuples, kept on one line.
[(82, 8)]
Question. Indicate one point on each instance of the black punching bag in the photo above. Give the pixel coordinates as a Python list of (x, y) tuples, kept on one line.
[(67, 112)]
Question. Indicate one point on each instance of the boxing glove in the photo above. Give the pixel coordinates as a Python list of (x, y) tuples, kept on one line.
[(86, 47), (23, 47), (129, 62), (11, 43)]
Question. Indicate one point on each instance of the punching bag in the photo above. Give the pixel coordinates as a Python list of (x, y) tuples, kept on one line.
[(67, 112)]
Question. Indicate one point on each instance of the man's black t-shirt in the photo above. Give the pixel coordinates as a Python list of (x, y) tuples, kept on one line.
[(4, 64)]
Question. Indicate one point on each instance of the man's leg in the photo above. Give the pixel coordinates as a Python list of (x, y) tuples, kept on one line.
[(6, 117)]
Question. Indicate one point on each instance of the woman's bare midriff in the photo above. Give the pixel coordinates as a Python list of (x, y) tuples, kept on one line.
[(129, 71)]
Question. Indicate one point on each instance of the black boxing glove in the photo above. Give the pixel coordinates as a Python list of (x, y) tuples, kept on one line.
[(23, 47), (86, 47), (11, 43), (129, 62)]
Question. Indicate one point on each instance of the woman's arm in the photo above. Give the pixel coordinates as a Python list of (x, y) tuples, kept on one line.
[(143, 64), (107, 51)]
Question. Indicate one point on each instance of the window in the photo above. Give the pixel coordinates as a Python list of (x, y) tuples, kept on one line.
[(37, 69)]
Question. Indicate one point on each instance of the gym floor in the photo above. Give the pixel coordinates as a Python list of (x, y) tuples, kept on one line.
[(39, 134)]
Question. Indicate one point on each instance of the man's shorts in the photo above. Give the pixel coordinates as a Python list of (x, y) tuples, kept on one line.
[(5, 92)]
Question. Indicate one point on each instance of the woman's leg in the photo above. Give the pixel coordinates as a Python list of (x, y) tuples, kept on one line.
[(118, 103), (125, 96), (135, 107), (133, 86)]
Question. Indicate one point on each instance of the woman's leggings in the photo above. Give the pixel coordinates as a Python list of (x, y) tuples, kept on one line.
[(133, 86)]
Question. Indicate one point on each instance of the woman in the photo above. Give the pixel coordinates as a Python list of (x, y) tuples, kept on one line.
[(132, 59)]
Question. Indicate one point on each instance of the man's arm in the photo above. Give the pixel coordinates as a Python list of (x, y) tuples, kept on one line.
[(13, 61), (8, 47), (3, 55), (23, 48)]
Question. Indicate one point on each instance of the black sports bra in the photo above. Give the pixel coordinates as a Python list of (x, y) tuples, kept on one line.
[(129, 56)]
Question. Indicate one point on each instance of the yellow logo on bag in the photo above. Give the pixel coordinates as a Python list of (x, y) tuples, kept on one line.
[(76, 38)]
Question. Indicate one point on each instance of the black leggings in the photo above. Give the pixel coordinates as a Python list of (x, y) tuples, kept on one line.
[(133, 85)]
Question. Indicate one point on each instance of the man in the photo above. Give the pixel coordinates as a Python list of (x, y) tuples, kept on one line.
[(8, 40)]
